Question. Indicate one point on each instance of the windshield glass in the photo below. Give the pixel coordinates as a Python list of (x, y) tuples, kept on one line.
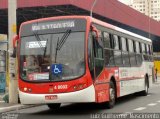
[(55, 57)]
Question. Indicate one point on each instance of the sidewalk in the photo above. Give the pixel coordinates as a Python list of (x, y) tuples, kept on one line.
[(6, 107)]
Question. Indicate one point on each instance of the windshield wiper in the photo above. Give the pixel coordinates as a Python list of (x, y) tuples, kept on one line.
[(45, 49), (63, 39), (61, 42)]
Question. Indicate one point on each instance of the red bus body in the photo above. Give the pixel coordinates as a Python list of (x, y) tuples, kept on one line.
[(82, 89)]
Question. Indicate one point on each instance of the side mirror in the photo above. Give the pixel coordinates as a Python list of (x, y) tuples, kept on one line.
[(97, 35), (15, 40), (94, 29)]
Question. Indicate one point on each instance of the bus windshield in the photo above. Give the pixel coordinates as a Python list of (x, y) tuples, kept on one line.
[(39, 54)]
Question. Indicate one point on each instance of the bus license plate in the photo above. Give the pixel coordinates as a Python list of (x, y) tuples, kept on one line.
[(51, 97)]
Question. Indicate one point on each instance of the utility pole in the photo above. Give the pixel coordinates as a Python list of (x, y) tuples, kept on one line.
[(12, 70)]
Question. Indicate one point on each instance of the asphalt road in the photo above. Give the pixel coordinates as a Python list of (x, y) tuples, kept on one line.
[(125, 105)]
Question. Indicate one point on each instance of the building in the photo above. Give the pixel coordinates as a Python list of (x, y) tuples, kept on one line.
[(127, 2), (150, 8)]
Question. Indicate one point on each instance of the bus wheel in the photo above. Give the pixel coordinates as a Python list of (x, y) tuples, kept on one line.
[(145, 91), (112, 95), (54, 106)]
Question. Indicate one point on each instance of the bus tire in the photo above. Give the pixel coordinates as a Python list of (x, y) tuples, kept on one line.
[(145, 92), (54, 106), (112, 95)]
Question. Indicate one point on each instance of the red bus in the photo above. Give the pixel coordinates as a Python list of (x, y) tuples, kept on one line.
[(80, 59)]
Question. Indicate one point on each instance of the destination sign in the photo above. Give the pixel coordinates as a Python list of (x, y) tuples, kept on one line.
[(52, 26)]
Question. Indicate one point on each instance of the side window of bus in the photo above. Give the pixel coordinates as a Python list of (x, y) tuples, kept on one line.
[(125, 54), (144, 51), (151, 53), (106, 40), (132, 52), (147, 52), (149, 49), (138, 53), (98, 52), (117, 51), (143, 48), (140, 47), (108, 53)]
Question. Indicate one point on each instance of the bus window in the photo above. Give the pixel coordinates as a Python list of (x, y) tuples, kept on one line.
[(116, 42), (108, 53), (131, 53), (144, 51), (138, 55), (149, 49), (123, 40), (137, 48), (140, 47), (130, 45), (111, 41), (151, 52), (143, 48), (106, 38), (125, 55), (117, 51), (120, 43), (134, 46)]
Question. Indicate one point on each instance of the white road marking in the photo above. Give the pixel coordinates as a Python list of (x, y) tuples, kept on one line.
[(140, 108), (148, 95), (152, 104), (158, 101)]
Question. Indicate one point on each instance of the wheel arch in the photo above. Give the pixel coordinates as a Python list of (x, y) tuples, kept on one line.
[(113, 79)]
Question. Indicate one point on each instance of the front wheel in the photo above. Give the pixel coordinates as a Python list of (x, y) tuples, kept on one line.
[(112, 95), (54, 106)]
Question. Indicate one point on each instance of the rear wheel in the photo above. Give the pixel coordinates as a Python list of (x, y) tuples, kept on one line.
[(112, 95), (145, 91), (54, 106)]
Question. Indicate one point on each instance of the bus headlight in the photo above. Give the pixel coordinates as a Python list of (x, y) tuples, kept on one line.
[(25, 89)]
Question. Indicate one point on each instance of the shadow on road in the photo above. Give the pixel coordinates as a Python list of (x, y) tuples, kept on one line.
[(73, 109), (86, 108)]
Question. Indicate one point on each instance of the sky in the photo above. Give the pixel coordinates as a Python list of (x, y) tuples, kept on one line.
[(126, 1)]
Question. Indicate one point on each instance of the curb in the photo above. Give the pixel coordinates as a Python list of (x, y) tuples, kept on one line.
[(15, 107)]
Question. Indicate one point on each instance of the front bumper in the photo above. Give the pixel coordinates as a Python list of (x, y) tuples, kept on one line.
[(85, 95)]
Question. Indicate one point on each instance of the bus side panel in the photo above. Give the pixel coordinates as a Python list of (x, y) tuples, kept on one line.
[(102, 84), (132, 79)]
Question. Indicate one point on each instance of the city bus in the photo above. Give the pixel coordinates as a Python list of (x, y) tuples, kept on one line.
[(80, 59)]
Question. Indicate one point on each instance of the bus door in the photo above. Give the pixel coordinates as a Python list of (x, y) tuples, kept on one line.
[(96, 65), (96, 58)]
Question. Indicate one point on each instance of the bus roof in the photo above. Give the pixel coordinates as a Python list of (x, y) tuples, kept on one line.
[(92, 20), (119, 29)]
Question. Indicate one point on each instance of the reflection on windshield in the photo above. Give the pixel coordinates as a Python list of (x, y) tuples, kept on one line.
[(36, 64)]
